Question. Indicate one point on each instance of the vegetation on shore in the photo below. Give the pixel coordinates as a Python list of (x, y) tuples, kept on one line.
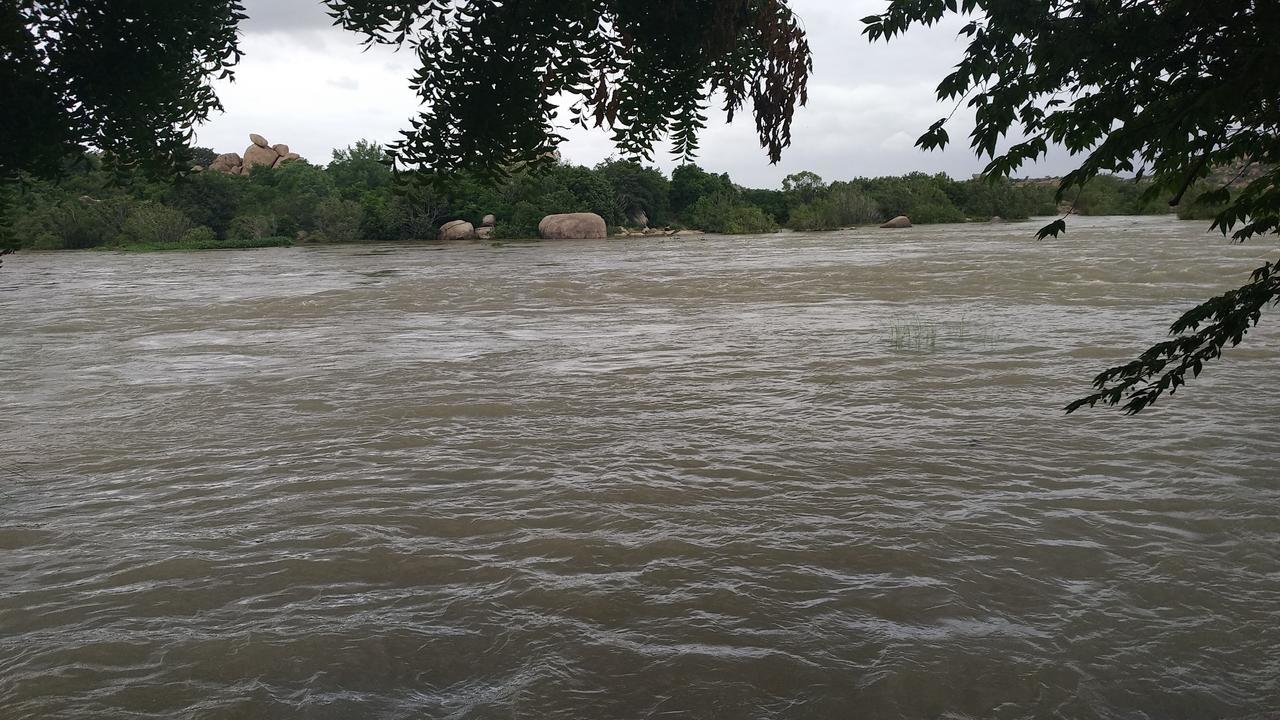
[(357, 198)]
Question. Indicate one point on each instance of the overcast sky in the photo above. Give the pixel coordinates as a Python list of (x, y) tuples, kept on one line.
[(314, 88)]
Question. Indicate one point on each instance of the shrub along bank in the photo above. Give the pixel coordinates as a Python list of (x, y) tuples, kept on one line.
[(356, 198)]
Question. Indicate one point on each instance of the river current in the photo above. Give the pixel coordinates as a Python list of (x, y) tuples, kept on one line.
[(788, 476)]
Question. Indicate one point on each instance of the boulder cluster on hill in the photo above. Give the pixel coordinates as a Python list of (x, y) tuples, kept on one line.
[(259, 153)]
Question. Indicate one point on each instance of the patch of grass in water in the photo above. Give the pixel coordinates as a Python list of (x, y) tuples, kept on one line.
[(205, 244), (914, 333), (918, 334)]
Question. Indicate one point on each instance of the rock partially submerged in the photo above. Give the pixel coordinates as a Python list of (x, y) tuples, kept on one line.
[(902, 221), (457, 230), (573, 226), (658, 232)]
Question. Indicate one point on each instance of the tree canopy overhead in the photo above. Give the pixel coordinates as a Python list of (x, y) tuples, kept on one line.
[(492, 71), (128, 77), (1172, 90)]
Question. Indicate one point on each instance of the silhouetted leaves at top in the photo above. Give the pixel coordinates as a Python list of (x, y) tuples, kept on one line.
[(130, 79), (491, 72)]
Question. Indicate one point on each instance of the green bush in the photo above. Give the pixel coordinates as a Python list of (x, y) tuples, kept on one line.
[(1114, 195), (208, 198), (338, 221), (252, 227), (154, 224), (203, 238), (842, 206), (722, 213), (199, 235), (48, 218)]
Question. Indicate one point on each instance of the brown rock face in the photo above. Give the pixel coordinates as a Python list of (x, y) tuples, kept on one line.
[(226, 163), (255, 155), (902, 221), (457, 230), (259, 153), (573, 226)]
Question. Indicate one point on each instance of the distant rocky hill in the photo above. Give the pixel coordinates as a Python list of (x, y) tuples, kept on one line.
[(258, 153)]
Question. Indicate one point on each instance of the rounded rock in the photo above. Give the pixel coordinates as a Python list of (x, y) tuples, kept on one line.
[(573, 226), (457, 230)]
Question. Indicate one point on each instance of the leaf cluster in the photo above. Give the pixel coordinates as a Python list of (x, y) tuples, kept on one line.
[(130, 78), (1167, 90), (492, 71)]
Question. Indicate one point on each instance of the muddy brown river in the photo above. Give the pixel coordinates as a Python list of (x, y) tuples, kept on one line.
[(790, 476)]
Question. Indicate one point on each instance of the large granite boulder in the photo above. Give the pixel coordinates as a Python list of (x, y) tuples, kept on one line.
[(902, 221), (226, 163), (573, 226), (281, 149), (489, 221), (457, 230), (258, 140), (485, 232), (255, 155)]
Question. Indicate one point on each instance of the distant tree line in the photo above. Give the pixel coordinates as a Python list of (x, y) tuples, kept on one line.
[(356, 197)]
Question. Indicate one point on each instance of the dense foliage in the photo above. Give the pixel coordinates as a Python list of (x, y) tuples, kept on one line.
[(1171, 90), (356, 197), (128, 78)]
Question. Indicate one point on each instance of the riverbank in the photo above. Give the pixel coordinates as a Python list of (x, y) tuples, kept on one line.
[(355, 198)]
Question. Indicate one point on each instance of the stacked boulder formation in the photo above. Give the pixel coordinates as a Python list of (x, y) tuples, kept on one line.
[(487, 225), (259, 153)]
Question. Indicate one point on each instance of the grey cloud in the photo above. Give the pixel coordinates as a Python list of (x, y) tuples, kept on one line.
[(285, 16)]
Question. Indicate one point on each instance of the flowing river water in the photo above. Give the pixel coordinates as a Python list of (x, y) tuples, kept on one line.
[(790, 476)]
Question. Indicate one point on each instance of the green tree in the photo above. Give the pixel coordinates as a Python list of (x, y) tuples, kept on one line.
[(1166, 89), (640, 192), (726, 213), (360, 168), (803, 187), (644, 73), (689, 183), (128, 78), (208, 198)]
